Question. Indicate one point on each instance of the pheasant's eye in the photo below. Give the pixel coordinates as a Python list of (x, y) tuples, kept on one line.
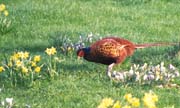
[(81, 53)]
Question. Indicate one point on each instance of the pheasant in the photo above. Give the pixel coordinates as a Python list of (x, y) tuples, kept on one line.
[(112, 50)]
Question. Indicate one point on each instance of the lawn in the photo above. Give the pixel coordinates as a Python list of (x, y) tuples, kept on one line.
[(40, 24)]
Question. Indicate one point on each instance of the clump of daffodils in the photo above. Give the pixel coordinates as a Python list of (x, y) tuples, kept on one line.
[(20, 67), (148, 74), (51, 51), (3, 9), (4, 21), (148, 101), (52, 61)]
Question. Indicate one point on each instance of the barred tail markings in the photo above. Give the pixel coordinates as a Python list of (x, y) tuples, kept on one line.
[(146, 45)]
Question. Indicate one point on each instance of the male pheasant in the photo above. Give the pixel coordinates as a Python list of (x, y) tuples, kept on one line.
[(112, 50)]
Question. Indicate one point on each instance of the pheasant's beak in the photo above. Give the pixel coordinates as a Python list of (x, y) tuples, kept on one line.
[(78, 57)]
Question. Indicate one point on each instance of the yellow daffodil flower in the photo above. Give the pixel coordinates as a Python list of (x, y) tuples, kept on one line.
[(128, 97), (135, 102), (149, 100), (14, 57), (23, 55), (117, 105), (6, 13), (51, 51), (33, 63), (2, 7), (106, 102), (2, 69), (19, 63), (37, 58), (37, 69), (24, 69)]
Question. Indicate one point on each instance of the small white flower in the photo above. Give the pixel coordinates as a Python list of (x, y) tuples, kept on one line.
[(2, 103), (157, 77), (137, 76), (162, 64), (176, 73), (157, 68), (144, 66), (171, 67), (9, 101), (136, 66), (28, 106), (145, 77), (118, 76), (162, 69), (151, 77), (131, 72)]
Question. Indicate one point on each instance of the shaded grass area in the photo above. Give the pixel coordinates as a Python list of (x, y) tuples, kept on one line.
[(82, 84)]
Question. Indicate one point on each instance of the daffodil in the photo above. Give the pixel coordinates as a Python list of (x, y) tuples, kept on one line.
[(149, 100), (2, 7), (33, 63), (2, 69), (51, 51), (19, 63), (135, 102), (24, 69), (37, 58), (23, 55), (117, 105), (6, 13), (37, 69), (26, 55), (106, 102), (48, 51), (128, 97), (14, 57)]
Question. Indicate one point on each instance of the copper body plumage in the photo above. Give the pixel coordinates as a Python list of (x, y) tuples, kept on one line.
[(111, 51)]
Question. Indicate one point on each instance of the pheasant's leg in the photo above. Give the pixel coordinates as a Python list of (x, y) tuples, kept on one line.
[(109, 68)]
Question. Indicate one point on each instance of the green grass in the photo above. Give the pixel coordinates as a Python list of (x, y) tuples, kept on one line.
[(82, 84)]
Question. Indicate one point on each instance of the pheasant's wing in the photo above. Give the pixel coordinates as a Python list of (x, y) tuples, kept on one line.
[(106, 48), (129, 46)]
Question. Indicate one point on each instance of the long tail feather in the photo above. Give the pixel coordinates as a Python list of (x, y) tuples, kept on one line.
[(137, 46)]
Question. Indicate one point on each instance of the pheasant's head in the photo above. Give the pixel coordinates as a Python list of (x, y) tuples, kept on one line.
[(83, 52)]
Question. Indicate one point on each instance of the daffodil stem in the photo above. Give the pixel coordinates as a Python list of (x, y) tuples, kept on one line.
[(32, 77)]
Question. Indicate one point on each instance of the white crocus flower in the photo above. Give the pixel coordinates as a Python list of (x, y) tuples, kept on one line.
[(171, 67), (176, 73), (137, 76), (2, 103), (145, 77), (9, 101), (131, 72)]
